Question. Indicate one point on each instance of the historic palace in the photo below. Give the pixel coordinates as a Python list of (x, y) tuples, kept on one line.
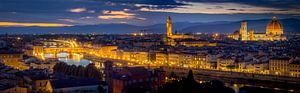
[(274, 32), (170, 32)]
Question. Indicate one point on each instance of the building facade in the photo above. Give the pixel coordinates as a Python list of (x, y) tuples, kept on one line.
[(279, 66)]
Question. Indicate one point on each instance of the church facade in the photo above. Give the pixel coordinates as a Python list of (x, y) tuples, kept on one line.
[(274, 32)]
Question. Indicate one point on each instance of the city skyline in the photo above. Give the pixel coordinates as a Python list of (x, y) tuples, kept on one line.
[(149, 46)]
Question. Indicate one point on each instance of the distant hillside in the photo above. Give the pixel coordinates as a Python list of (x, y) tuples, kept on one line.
[(101, 28), (290, 25)]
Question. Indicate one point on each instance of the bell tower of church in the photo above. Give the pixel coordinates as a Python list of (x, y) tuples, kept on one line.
[(243, 31)]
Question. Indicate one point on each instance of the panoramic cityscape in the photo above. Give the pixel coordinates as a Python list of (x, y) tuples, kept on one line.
[(149, 46)]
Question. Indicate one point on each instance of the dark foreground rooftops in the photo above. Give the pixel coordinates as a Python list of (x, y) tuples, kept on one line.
[(66, 83), (295, 62), (280, 58)]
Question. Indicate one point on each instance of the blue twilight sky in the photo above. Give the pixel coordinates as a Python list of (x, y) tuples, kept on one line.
[(140, 12)]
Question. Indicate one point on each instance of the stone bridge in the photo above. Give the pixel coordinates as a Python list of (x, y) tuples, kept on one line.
[(55, 47)]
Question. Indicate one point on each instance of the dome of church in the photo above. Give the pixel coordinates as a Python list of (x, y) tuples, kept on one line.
[(274, 27)]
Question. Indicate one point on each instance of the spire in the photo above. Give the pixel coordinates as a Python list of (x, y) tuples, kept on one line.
[(169, 18)]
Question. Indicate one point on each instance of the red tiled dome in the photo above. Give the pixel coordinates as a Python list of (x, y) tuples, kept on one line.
[(274, 27)]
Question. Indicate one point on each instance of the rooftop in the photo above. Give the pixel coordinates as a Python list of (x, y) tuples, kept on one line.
[(295, 62), (68, 83)]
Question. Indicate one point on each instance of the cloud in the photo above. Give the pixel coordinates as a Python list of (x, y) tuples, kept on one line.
[(77, 10), (141, 18), (91, 11), (126, 9), (290, 4), (106, 12), (223, 8), (18, 24), (110, 3), (87, 17), (149, 2), (183, 10), (116, 15)]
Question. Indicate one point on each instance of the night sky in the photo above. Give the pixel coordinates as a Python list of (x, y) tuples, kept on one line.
[(139, 12)]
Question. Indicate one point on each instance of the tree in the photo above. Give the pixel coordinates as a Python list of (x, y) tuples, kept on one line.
[(189, 85), (173, 75), (90, 71), (190, 76)]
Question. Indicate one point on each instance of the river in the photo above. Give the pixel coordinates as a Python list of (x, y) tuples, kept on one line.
[(74, 59)]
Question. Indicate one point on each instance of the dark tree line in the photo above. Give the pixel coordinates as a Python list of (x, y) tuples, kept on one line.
[(90, 71), (189, 85)]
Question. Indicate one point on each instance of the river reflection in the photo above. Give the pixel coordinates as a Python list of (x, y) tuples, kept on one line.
[(74, 59)]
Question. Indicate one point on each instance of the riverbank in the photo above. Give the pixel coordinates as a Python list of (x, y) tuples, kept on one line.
[(238, 80)]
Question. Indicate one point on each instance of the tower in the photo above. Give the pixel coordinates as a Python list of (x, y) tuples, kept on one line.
[(251, 35), (243, 31), (169, 26), (274, 27)]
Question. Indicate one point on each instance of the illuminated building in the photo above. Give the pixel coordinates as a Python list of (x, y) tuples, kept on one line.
[(201, 61), (137, 77), (261, 68), (274, 27), (197, 43), (235, 35), (252, 67), (169, 41), (225, 63), (15, 89), (13, 59), (174, 59), (134, 56), (38, 80), (294, 68), (170, 34), (42, 85), (193, 60), (243, 31), (161, 58), (108, 51), (274, 32), (38, 50), (142, 56), (279, 66), (126, 55), (186, 60), (169, 26)]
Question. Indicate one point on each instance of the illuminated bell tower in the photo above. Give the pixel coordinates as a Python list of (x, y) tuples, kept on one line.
[(243, 31), (169, 26)]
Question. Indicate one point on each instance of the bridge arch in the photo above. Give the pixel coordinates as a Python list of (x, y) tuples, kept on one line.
[(55, 47)]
